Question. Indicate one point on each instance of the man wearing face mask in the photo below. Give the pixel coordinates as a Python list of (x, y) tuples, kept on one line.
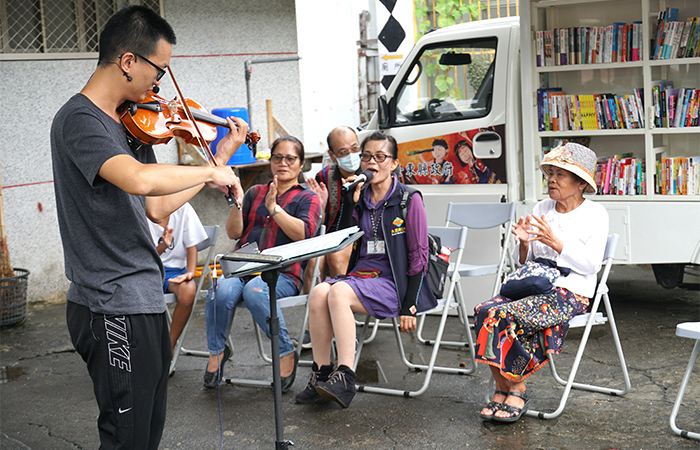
[(344, 150)]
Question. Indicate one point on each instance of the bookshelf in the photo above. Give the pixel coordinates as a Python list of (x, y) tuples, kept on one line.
[(624, 67)]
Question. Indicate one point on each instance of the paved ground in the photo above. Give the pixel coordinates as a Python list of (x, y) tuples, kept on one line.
[(46, 399)]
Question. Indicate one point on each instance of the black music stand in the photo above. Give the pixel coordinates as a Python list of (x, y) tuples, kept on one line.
[(269, 264)]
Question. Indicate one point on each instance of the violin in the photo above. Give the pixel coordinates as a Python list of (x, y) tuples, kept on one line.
[(156, 120)]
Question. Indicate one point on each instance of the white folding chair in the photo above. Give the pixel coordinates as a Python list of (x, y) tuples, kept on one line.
[(207, 244), (690, 330), (286, 302), (454, 238), (587, 320), (478, 216)]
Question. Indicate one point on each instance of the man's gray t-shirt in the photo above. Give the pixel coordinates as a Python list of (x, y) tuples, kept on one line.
[(109, 256)]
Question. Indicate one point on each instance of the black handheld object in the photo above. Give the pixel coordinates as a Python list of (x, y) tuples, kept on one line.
[(365, 177)]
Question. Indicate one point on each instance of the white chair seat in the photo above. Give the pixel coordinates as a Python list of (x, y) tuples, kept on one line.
[(470, 270), (689, 330), (581, 319)]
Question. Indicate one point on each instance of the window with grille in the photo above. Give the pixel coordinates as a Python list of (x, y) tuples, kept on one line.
[(54, 27)]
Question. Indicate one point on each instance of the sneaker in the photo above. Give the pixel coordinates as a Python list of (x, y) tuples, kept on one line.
[(306, 343), (309, 394), (340, 386)]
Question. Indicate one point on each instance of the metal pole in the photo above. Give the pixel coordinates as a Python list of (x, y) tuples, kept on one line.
[(249, 70)]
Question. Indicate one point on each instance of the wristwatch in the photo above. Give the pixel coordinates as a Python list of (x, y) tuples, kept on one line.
[(276, 209)]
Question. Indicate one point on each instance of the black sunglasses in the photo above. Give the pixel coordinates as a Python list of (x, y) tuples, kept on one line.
[(160, 70)]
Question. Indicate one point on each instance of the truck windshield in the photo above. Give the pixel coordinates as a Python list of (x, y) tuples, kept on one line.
[(449, 82)]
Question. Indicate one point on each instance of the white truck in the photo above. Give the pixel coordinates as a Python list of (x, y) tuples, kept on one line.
[(463, 109)]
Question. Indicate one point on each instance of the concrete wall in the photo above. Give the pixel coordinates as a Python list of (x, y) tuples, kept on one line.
[(214, 40), (328, 32)]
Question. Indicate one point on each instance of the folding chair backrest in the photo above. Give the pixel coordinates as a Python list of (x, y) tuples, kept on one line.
[(207, 244), (480, 215)]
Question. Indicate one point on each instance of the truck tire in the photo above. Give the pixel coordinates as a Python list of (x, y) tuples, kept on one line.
[(668, 275)]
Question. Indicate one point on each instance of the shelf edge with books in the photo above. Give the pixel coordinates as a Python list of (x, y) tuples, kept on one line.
[(671, 62), (577, 133), (596, 66), (676, 130)]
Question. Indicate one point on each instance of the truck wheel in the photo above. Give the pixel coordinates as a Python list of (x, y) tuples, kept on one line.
[(668, 275)]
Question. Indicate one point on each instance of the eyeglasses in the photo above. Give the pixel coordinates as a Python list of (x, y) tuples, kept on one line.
[(160, 70), (345, 152), (379, 157), (290, 160)]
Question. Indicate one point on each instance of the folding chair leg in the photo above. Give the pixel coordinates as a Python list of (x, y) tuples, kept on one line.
[(569, 384), (429, 368), (679, 398)]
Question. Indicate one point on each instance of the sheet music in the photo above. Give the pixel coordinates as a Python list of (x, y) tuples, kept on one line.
[(295, 249)]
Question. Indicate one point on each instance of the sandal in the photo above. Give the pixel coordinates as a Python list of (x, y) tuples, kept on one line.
[(514, 411), (493, 406)]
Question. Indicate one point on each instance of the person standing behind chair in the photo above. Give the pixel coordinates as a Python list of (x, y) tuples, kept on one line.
[(514, 337), (277, 213), (344, 151), (371, 286), (176, 238), (106, 185)]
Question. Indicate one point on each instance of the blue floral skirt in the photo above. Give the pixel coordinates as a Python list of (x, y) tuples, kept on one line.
[(516, 336)]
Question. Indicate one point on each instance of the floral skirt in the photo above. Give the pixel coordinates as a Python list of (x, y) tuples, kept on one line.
[(517, 335)]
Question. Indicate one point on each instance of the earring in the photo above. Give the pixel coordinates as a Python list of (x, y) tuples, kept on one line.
[(128, 78)]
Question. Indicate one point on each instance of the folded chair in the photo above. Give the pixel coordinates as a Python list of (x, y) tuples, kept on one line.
[(689, 330), (454, 238), (286, 302), (207, 244), (587, 320), (478, 216)]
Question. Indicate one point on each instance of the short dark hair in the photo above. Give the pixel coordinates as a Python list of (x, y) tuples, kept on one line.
[(441, 142), (135, 29), (379, 136), (298, 146)]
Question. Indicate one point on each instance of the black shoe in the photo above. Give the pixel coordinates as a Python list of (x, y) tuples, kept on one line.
[(287, 382), (340, 386), (306, 342), (309, 394), (212, 379)]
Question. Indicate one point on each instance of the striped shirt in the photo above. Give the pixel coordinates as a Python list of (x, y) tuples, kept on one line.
[(259, 227)]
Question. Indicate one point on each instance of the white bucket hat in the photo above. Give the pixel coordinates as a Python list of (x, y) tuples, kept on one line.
[(575, 158)]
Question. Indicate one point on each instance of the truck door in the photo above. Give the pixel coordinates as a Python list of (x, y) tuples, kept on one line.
[(447, 108)]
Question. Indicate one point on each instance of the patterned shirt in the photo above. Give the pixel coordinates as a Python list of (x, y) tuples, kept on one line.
[(260, 228)]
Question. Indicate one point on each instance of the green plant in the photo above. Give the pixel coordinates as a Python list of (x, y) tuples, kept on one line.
[(445, 14)]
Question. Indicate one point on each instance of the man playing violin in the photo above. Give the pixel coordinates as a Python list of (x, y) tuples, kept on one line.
[(105, 185)]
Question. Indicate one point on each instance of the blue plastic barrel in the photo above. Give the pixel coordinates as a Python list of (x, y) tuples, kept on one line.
[(244, 155)]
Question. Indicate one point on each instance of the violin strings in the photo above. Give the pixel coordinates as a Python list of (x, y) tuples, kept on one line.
[(200, 138)]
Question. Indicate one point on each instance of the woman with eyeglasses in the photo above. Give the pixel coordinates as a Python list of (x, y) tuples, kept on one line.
[(273, 214), (385, 273)]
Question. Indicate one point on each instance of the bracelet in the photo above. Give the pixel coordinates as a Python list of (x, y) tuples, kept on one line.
[(277, 209)]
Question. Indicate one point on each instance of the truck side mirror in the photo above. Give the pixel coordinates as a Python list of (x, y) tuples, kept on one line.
[(387, 112), (455, 59), (487, 145)]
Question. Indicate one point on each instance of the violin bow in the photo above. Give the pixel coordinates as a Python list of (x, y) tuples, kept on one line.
[(230, 198)]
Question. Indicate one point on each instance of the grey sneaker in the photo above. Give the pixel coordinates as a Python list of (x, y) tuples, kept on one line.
[(340, 386)]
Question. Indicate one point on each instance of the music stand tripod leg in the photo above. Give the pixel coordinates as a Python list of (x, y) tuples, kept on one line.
[(270, 277)]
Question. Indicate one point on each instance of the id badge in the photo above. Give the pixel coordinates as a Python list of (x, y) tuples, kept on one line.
[(376, 247)]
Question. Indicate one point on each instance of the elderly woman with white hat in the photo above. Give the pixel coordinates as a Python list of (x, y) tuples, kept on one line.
[(570, 232)]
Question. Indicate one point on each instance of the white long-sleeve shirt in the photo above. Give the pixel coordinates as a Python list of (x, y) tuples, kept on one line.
[(584, 232)]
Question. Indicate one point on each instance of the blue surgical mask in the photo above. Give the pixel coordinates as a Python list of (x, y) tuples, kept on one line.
[(350, 162)]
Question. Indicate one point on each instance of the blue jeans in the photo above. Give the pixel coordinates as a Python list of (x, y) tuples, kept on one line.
[(256, 296)]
